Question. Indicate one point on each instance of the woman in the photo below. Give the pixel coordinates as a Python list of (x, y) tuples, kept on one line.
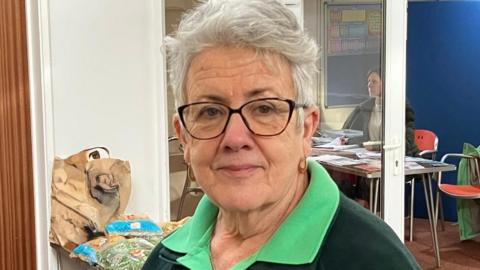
[(243, 75), (367, 117)]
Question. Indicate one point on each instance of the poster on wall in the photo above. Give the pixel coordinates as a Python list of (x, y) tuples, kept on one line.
[(353, 38)]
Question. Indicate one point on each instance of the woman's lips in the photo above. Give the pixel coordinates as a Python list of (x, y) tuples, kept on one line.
[(239, 170)]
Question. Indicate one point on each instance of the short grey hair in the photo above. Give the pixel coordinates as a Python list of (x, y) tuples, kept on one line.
[(264, 25)]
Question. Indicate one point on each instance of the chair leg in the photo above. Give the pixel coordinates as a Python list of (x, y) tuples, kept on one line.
[(375, 200), (370, 201), (439, 208), (437, 205), (431, 210), (186, 186), (412, 196), (442, 218)]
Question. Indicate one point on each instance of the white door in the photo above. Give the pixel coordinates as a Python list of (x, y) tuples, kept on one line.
[(394, 114), (344, 73)]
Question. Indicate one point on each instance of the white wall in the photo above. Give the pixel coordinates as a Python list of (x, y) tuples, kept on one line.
[(107, 90), (98, 77), (296, 6)]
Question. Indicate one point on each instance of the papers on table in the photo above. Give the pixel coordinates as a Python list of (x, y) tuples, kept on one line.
[(335, 144), (415, 159), (338, 147), (325, 158), (338, 160), (369, 154), (320, 140), (356, 150), (349, 133), (425, 162), (363, 159), (412, 165), (370, 165)]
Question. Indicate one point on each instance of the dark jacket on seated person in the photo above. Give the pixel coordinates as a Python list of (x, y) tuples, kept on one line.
[(360, 117)]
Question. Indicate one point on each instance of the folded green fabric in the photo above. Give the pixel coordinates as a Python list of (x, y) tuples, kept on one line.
[(468, 211)]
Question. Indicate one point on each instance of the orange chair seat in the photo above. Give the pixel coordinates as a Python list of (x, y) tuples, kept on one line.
[(461, 191)]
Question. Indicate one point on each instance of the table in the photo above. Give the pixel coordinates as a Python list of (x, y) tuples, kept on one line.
[(374, 179)]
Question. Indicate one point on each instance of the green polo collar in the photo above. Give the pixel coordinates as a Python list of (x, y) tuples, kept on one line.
[(297, 240)]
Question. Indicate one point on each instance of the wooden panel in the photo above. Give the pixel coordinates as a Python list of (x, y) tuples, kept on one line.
[(17, 228)]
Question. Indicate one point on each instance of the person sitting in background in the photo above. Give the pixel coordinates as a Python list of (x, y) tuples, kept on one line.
[(243, 73), (367, 117)]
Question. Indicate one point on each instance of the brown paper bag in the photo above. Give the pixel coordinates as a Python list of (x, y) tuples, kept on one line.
[(87, 190)]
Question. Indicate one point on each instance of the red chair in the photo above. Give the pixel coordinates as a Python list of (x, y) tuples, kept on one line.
[(460, 191), (427, 143), (456, 191)]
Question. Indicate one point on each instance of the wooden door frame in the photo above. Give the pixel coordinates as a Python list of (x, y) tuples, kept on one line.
[(17, 228)]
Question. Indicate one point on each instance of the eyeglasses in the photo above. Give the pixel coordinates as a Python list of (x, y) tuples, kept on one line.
[(263, 117)]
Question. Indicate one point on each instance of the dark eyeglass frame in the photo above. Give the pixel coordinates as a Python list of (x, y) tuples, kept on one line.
[(292, 105)]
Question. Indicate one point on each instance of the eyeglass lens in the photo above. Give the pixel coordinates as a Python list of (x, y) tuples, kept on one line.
[(265, 117)]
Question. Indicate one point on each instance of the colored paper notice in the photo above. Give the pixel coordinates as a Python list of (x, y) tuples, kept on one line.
[(335, 16), (353, 15), (374, 20)]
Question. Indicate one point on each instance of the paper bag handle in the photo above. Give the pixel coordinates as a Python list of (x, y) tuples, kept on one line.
[(96, 154)]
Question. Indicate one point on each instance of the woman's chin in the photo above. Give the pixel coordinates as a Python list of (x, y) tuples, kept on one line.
[(240, 201)]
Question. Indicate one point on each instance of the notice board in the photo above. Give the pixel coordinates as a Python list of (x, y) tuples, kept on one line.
[(353, 38)]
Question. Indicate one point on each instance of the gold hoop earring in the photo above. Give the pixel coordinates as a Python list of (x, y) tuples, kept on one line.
[(302, 165), (190, 174)]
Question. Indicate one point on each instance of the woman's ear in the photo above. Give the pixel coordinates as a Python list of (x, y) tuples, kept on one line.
[(310, 124), (182, 137)]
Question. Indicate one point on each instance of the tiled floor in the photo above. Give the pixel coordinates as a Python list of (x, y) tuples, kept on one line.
[(454, 254)]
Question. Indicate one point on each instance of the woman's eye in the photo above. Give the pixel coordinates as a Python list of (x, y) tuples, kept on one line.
[(264, 109), (210, 112)]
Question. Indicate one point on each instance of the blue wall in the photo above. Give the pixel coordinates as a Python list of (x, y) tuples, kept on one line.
[(443, 76)]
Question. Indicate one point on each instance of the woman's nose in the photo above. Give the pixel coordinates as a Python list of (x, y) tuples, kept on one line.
[(237, 135)]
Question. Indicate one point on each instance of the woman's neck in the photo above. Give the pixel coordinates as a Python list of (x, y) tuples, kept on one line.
[(240, 234), (260, 221)]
